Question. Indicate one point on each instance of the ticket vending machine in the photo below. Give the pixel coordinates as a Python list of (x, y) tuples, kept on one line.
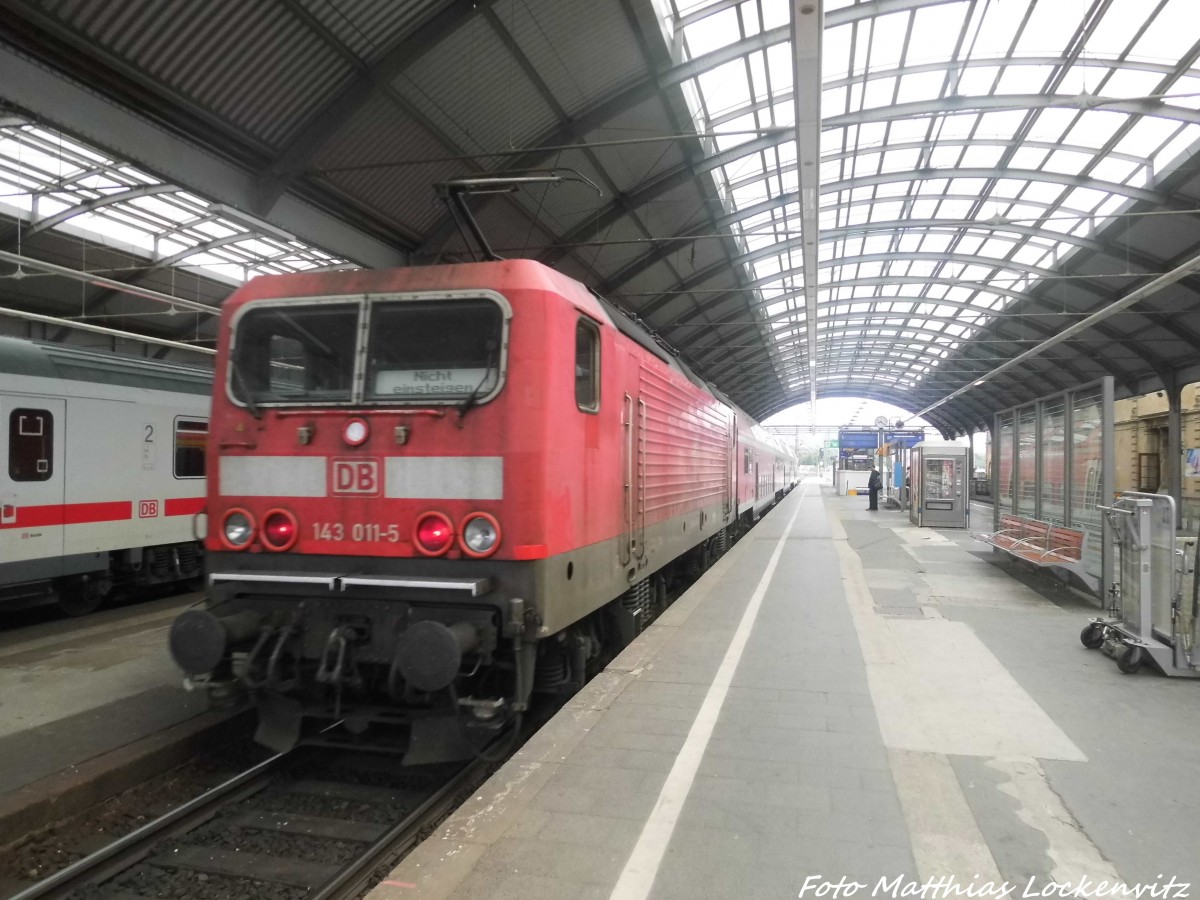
[(940, 474)]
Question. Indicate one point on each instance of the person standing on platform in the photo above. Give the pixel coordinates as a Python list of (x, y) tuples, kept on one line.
[(874, 483)]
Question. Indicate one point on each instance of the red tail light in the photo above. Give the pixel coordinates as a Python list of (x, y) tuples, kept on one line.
[(433, 534), (279, 530)]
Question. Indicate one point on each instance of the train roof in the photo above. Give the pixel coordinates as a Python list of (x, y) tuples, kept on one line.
[(61, 361)]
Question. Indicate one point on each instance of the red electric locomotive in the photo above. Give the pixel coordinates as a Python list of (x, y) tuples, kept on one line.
[(435, 491)]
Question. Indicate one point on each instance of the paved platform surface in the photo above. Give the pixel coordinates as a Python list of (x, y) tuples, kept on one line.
[(844, 699), (72, 690)]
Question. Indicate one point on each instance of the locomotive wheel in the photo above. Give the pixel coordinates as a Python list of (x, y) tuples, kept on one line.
[(1130, 659), (1092, 636)]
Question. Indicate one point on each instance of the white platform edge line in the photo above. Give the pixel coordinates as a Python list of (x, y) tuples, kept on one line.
[(642, 867)]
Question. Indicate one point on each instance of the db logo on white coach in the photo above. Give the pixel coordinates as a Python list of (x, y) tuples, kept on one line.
[(355, 477)]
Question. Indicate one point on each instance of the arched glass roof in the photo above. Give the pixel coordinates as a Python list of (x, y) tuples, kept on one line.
[(967, 147), (884, 198)]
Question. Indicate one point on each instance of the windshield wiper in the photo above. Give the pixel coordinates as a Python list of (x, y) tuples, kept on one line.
[(487, 371), (240, 380)]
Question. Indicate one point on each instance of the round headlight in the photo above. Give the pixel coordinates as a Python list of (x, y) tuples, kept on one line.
[(355, 432), (480, 534), (238, 529)]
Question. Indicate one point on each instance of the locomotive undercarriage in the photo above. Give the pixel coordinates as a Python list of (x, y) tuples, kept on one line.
[(433, 672)]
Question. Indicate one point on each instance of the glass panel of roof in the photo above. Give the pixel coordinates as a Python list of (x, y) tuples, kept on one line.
[(1132, 83), (712, 32), (1049, 28), (1113, 32), (1171, 34), (1173, 149), (977, 80)]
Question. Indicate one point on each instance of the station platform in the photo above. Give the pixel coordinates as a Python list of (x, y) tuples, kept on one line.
[(845, 705), (76, 695)]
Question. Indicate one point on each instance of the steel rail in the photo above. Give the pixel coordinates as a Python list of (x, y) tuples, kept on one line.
[(401, 838), (124, 852)]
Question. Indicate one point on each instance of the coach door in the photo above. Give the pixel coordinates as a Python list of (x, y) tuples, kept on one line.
[(32, 482)]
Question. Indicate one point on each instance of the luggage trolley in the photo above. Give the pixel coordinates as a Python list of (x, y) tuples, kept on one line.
[(1148, 621)]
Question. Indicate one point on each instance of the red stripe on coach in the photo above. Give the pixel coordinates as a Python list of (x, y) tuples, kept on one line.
[(71, 514), (184, 506)]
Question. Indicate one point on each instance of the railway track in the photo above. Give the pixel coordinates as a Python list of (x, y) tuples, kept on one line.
[(313, 824)]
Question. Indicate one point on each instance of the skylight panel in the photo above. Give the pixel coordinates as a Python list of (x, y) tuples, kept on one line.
[(1173, 151), (866, 164), (834, 101), (870, 134), (1021, 79), (968, 244), (758, 77), (1133, 83), (955, 208), (901, 160), (1171, 33), (1067, 162), (779, 63), (835, 50), (981, 156), (970, 187), (976, 81), (907, 130), (995, 248), (1116, 170), (725, 88), (924, 208), (954, 126), (945, 156), (1119, 24), (876, 244), (885, 212), (879, 92), (712, 32), (1112, 204), (858, 215), (120, 231), (1027, 157), (1051, 27), (1084, 199), (162, 208)]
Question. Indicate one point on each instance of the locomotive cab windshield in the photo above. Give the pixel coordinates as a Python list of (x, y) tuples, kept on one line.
[(417, 350)]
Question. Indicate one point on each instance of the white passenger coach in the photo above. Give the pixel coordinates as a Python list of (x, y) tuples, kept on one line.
[(103, 474)]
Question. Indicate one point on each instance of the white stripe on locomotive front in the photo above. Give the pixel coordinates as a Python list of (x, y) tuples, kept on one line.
[(406, 478), (444, 478)]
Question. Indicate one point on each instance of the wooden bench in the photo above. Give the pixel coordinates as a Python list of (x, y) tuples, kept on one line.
[(1036, 541), (1065, 544), (1042, 544)]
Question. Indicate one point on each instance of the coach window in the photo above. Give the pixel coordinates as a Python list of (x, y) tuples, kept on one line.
[(30, 444), (587, 366), (190, 438)]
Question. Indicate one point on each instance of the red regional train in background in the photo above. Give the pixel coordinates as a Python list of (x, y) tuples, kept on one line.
[(434, 492)]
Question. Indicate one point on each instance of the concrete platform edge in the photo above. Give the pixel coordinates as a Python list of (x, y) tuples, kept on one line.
[(68, 793)]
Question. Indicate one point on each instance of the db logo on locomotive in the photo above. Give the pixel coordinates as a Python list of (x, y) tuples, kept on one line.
[(355, 477)]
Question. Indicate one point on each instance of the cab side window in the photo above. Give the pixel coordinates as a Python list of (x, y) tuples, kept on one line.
[(587, 366), (30, 444)]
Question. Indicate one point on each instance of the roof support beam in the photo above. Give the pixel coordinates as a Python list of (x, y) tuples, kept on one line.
[(1130, 299), (808, 22), (94, 118)]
